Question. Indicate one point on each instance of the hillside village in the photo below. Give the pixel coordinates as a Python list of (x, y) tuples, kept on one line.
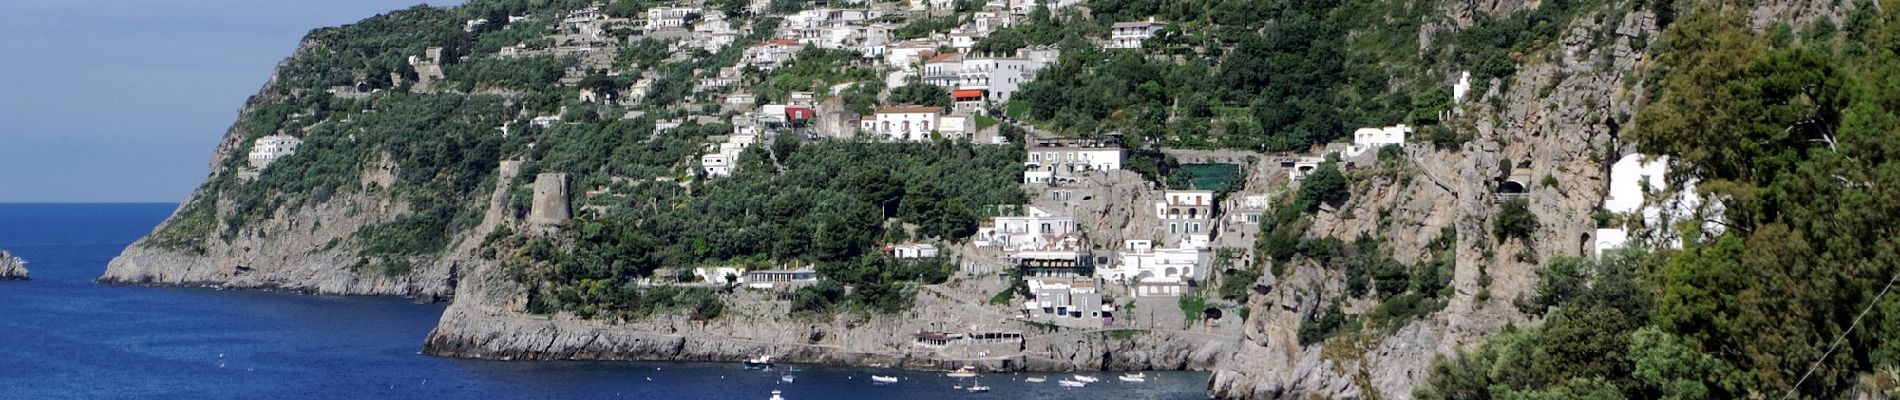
[(1094, 243), (1335, 199)]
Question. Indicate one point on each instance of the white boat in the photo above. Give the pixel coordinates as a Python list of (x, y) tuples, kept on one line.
[(1086, 378), (760, 362), (786, 378), (776, 396), (883, 379), (978, 388), (1036, 379), (965, 372), (1070, 383), (1134, 378)]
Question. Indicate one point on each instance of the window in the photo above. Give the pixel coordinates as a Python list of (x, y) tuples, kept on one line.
[(1194, 227), (1174, 228)]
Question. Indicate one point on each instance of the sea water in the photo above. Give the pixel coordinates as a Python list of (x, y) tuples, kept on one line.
[(62, 336)]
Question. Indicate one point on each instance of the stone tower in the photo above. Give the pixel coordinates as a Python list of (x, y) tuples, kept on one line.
[(550, 200)]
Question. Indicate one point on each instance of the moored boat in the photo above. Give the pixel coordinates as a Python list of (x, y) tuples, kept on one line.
[(1086, 378), (1036, 379), (1134, 377), (1070, 383), (976, 387), (776, 396), (965, 372), (760, 362), (883, 379)]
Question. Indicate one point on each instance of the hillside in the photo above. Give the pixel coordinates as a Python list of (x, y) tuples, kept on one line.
[(1348, 199)]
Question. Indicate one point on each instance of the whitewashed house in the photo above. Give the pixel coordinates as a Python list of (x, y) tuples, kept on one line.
[(1156, 272), (1066, 297), (1188, 217), (659, 18), (979, 80), (904, 123), (268, 149), (906, 54), (1640, 189), (1130, 35), (1371, 139), (914, 250), (771, 54), (1035, 229)]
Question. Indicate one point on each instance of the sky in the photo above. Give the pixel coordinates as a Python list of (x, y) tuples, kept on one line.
[(124, 100)]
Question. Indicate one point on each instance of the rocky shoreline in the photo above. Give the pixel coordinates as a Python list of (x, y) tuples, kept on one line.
[(11, 267), (507, 336)]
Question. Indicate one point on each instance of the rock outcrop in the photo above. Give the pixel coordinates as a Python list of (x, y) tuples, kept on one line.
[(11, 267), (301, 249), (1558, 118)]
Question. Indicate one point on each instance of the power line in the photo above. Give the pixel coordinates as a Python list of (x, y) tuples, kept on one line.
[(1837, 340)]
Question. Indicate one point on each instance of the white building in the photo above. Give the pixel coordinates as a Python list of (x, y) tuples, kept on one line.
[(720, 275), (1074, 160), (1371, 139), (1141, 262), (726, 77), (1639, 189), (906, 54), (914, 250), (268, 149), (1188, 217), (659, 18), (724, 159), (771, 54), (979, 80), (1247, 209), (1130, 35), (825, 17), (904, 123), (1066, 298), (1035, 229)]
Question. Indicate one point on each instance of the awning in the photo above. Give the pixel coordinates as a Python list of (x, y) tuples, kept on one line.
[(967, 94)]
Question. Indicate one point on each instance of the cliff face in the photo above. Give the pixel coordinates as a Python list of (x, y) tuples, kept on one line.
[(11, 267), (1558, 116), (1557, 124), (306, 249), (295, 251)]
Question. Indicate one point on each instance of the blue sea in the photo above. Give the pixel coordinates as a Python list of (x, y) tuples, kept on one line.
[(61, 336)]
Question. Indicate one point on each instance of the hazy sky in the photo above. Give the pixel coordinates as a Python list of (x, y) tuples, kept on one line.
[(124, 100)]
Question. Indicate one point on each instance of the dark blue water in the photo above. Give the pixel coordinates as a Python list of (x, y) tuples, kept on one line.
[(61, 336)]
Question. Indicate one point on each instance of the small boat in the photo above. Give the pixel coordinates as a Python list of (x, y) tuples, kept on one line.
[(1036, 379), (965, 372), (776, 396), (760, 362), (786, 378), (1070, 383), (1086, 378), (880, 379), (976, 387), (1134, 378)]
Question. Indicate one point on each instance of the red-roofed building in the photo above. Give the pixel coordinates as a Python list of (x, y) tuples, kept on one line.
[(799, 115)]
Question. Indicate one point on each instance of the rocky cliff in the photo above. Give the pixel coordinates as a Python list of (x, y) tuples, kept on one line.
[(1555, 122), (310, 245), (11, 267)]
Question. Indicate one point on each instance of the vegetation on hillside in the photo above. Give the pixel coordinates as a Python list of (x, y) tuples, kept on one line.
[(1793, 131)]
